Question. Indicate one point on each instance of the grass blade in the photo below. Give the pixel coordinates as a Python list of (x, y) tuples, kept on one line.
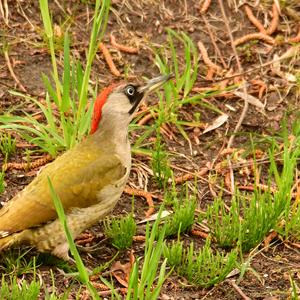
[(83, 274)]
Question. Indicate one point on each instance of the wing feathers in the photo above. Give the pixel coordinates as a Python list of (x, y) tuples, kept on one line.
[(77, 182)]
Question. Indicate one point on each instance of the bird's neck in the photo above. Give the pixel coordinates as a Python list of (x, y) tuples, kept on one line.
[(112, 137), (113, 129)]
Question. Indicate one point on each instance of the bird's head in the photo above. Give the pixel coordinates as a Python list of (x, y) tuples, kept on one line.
[(121, 100)]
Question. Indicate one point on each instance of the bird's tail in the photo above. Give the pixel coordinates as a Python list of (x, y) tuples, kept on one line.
[(8, 241)]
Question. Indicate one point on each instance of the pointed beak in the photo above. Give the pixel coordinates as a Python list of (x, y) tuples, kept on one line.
[(155, 83)]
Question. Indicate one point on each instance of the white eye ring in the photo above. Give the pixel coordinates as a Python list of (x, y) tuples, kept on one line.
[(130, 91)]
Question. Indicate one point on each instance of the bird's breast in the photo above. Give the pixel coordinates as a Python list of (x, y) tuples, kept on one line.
[(123, 150), (112, 192)]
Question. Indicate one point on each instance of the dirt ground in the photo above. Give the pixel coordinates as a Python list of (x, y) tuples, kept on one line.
[(142, 24)]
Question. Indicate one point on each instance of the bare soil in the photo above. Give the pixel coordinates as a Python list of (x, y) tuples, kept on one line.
[(142, 23)]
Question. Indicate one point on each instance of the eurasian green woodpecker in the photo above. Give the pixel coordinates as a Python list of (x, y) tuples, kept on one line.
[(89, 179)]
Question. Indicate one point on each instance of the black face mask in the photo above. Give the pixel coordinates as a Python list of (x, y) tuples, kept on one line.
[(134, 96)]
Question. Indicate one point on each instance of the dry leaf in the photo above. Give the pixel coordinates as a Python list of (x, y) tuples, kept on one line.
[(293, 51), (233, 273), (164, 214), (250, 99), (276, 2), (121, 272), (276, 65), (219, 121), (230, 107), (276, 69), (290, 77)]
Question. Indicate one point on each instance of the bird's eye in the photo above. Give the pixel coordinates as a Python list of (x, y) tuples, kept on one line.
[(130, 90)]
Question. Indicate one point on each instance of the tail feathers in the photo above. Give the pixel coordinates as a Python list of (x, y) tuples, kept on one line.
[(8, 241)]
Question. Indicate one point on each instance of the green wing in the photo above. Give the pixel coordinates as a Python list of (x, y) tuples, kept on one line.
[(77, 182)]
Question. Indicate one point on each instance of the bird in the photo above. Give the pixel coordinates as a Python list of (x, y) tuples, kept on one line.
[(88, 179)]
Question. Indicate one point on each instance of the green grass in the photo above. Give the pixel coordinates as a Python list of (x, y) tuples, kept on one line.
[(50, 36), (15, 263), (294, 289), (171, 101), (175, 93), (185, 76), (224, 225), (259, 217), (2, 182), (7, 145), (179, 93), (121, 231), (246, 223), (203, 268), (145, 284), (160, 163), (14, 287), (285, 179), (14, 267), (251, 216), (69, 95), (26, 291), (148, 273), (289, 229), (174, 253), (183, 217), (83, 273)]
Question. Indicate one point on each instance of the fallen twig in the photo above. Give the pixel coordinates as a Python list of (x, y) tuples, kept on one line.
[(271, 236), (84, 241), (147, 118), (148, 196), (100, 286), (190, 176), (4, 11), (109, 60), (123, 48), (254, 20), (210, 74), (227, 179), (27, 166), (251, 188), (205, 6), (228, 151), (12, 73), (167, 131), (103, 293), (275, 20), (262, 86), (240, 69), (199, 233), (295, 39), (291, 52), (254, 36), (224, 83), (109, 292), (139, 238), (297, 245), (206, 58), (213, 41), (25, 145), (240, 292)]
